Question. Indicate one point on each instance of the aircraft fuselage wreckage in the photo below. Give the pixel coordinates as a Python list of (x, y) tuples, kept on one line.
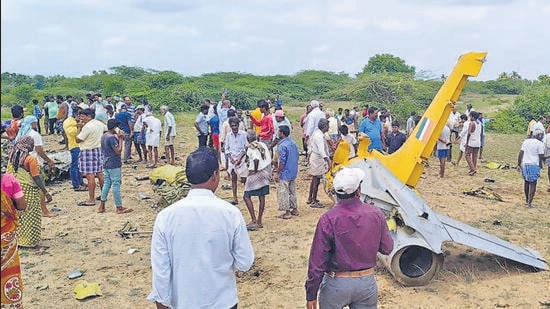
[(417, 230)]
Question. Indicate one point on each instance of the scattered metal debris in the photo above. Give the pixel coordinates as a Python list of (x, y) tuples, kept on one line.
[(75, 274), (128, 230), (143, 196), (485, 192), (171, 193), (499, 165), (85, 289)]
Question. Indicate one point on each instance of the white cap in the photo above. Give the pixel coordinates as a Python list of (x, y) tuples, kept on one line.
[(347, 180), (314, 103), (538, 131)]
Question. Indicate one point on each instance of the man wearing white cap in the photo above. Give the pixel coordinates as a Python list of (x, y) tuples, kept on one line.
[(344, 248), (279, 119)]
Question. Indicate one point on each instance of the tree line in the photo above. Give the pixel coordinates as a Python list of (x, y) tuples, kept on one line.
[(385, 81)]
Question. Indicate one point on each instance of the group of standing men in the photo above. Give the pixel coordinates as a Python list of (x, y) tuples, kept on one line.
[(178, 284), (254, 148), (338, 275)]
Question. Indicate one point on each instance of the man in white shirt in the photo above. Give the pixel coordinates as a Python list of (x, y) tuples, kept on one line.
[(198, 242), (539, 125), (530, 163), (454, 120), (312, 119), (469, 109), (235, 150), (410, 123), (319, 161), (139, 135), (153, 127), (169, 134), (546, 143), (443, 146)]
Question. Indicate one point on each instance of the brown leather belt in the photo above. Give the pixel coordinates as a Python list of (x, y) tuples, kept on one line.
[(350, 274)]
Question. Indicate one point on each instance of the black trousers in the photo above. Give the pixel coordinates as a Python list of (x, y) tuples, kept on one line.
[(39, 128), (51, 124), (202, 140)]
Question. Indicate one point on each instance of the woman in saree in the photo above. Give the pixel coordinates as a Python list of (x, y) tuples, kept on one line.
[(12, 200), (25, 168), (29, 127)]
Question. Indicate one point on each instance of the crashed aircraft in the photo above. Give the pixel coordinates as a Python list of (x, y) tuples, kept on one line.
[(390, 180)]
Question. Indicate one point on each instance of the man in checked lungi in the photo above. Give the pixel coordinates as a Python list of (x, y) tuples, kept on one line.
[(90, 160)]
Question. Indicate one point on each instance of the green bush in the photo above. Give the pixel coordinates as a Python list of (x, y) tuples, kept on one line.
[(507, 122)]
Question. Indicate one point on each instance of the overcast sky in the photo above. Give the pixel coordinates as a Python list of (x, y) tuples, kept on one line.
[(268, 37)]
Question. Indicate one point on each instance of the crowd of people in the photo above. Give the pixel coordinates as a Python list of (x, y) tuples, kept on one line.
[(99, 135), (254, 148)]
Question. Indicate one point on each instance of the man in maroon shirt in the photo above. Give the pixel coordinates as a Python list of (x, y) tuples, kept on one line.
[(344, 248)]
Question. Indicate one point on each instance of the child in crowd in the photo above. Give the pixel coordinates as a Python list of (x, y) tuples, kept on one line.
[(350, 139)]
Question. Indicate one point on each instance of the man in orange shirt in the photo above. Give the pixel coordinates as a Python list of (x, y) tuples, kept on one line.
[(13, 129)]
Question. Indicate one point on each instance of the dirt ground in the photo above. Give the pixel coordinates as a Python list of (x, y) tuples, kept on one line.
[(79, 238)]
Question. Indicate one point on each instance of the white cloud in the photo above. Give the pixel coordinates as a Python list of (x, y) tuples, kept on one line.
[(346, 22), (320, 49), (116, 41), (30, 47), (50, 29), (456, 14), (394, 24), (196, 37)]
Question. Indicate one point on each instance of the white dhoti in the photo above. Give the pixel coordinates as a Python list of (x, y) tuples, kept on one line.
[(317, 165), (241, 170)]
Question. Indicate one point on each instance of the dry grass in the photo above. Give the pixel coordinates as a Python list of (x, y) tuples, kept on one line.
[(469, 278)]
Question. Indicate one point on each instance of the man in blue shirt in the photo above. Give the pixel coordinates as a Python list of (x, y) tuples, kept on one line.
[(396, 138), (372, 127), (37, 112), (278, 102), (287, 173), (126, 124)]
